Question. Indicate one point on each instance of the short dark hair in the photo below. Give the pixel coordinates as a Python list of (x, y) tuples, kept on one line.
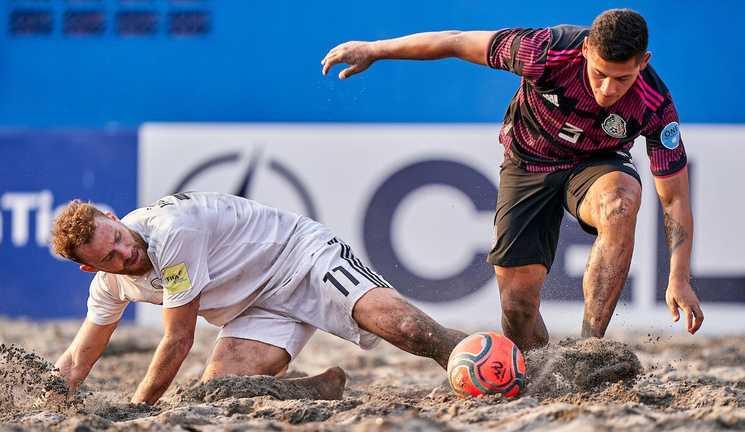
[(619, 34)]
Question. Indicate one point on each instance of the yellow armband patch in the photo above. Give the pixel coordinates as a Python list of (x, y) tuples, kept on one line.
[(176, 279)]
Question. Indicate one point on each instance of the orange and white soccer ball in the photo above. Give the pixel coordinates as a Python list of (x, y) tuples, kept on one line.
[(486, 363)]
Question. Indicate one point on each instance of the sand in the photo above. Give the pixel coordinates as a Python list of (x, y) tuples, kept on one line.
[(624, 382)]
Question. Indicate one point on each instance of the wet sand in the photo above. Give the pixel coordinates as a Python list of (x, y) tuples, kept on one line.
[(629, 382)]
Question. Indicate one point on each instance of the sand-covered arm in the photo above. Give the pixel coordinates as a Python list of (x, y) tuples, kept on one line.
[(78, 360), (179, 325)]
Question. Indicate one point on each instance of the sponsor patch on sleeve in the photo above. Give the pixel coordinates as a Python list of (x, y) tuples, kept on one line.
[(670, 135), (176, 279)]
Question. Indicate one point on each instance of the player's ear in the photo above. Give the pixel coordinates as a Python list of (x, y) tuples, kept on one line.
[(111, 216), (88, 269), (645, 60)]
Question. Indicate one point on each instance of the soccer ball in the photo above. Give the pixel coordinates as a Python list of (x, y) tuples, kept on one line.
[(486, 363)]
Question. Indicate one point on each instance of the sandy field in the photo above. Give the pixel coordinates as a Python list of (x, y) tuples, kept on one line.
[(635, 382)]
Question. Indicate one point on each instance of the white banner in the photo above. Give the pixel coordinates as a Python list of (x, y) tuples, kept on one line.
[(417, 203)]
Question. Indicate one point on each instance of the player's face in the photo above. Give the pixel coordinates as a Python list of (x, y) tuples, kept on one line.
[(115, 248), (609, 80)]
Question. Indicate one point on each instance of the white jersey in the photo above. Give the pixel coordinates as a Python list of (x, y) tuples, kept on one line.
[(233, 251)]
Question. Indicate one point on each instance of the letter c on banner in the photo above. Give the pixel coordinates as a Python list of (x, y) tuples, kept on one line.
[(377, 229)]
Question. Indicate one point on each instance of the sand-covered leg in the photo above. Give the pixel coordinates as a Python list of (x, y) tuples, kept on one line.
[(245, 357), (611, 206), (328, 385), (520, 296), (384, 312), (236, 357)]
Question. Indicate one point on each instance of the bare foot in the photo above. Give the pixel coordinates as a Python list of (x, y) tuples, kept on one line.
[(329, 385)]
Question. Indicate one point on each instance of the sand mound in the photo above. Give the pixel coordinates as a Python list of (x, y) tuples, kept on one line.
[(688, 383), (244, 387), (28, 382), (579, 365)]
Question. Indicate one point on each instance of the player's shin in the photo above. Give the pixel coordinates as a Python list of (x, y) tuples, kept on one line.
[(385, 313), (603, 281)]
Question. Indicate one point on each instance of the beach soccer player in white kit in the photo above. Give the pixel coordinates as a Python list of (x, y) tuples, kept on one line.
[(269, 278)]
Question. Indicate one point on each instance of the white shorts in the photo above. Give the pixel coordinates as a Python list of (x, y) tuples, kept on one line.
[(323, 298)]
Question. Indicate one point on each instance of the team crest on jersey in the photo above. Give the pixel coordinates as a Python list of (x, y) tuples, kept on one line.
[(157, 284), (615, 126)]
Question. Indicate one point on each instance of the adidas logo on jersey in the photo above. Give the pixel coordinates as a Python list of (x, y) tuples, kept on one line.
[(551, 98), (570, 133)]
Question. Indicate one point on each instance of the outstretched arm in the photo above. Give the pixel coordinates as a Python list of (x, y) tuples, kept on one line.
[(673, 193), (471, 46), (78, 360), (179, 324)]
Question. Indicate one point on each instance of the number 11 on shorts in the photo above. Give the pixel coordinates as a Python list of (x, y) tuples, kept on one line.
[(329, 277)]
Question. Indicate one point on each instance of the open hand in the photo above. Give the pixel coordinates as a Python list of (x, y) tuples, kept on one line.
[(358, 55)]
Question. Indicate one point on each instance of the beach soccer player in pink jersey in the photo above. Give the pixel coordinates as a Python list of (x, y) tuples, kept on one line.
[(585, 95)]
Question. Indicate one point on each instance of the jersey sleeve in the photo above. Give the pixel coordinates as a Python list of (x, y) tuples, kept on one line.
[(183, 266), (665, 148), (520, 51), (105, 305)]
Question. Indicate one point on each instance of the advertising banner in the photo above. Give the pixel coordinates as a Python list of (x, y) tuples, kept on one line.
[(417, 203), (40, 171)]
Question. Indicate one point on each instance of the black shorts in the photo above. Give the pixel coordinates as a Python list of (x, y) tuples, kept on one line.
[(530, 207)]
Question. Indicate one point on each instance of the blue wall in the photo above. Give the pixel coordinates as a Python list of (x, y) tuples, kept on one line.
[(40, 171), (259, 61)]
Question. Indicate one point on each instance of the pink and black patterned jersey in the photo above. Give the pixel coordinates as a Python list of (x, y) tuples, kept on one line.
[(553, 121)]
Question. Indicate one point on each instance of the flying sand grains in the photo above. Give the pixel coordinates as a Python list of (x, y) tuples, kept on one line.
[(576, 365), (27, 381)]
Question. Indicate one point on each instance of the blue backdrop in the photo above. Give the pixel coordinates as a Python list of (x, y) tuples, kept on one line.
[(40, 171), (98, 69), (95, 62)]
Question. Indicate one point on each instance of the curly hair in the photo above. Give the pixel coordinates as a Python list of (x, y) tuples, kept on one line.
[(619, 35), (73, 227)]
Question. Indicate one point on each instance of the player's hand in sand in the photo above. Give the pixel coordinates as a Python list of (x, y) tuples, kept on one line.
[(59, 389), (358, 55), (64, 371), (54, 398), (680, 295)]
